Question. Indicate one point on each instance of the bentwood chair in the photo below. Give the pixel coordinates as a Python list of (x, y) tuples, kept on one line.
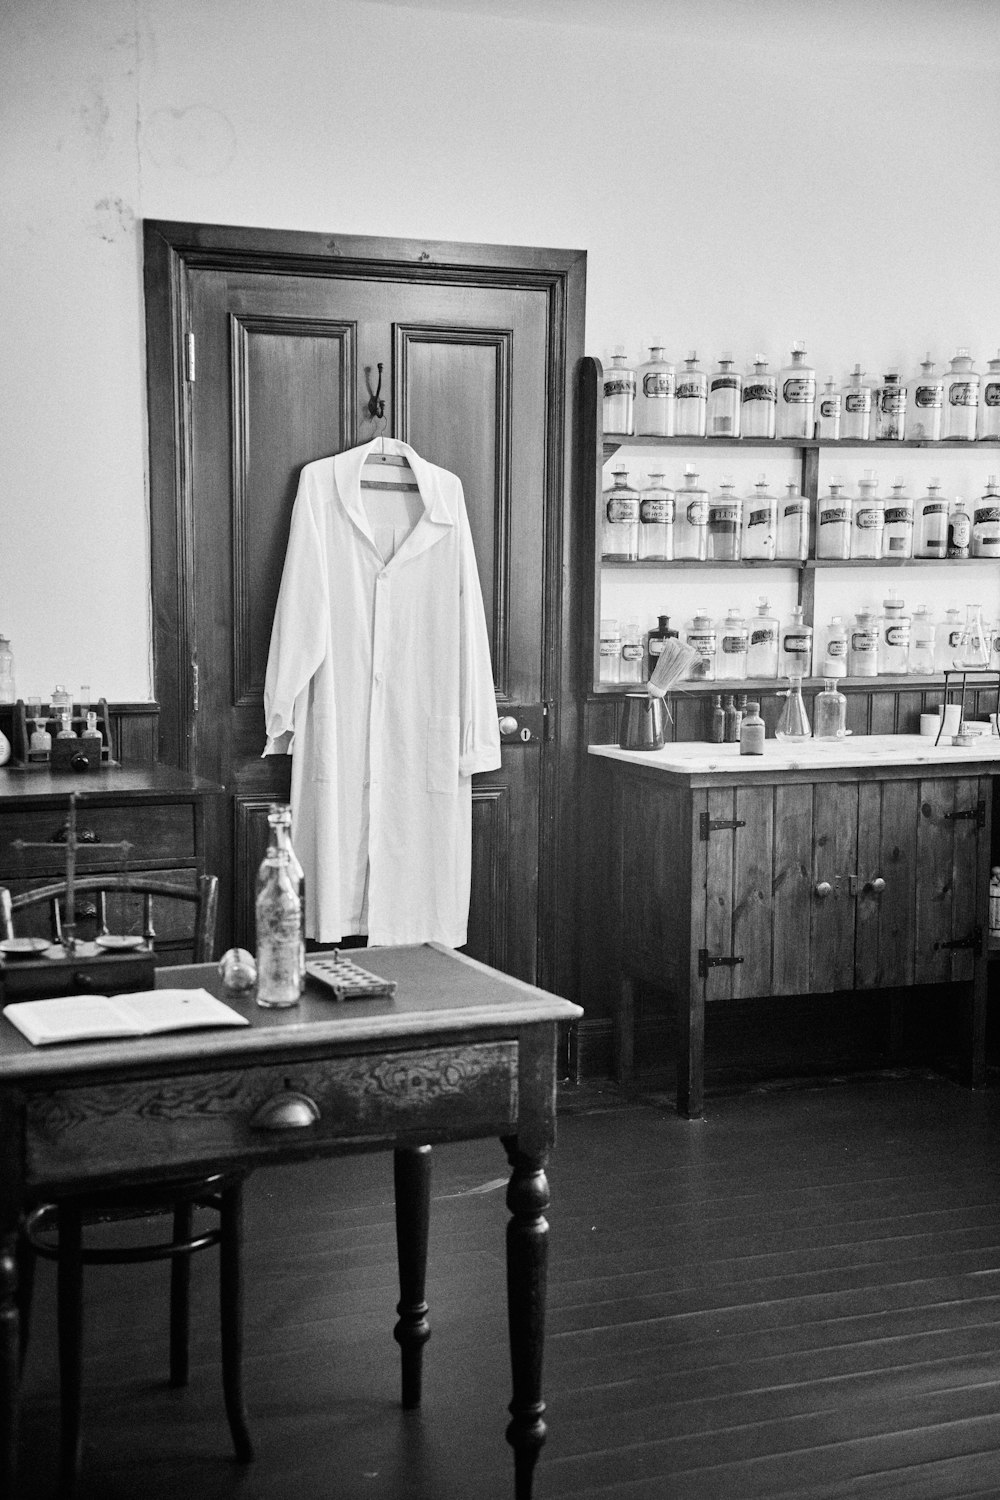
[(56, 1230)]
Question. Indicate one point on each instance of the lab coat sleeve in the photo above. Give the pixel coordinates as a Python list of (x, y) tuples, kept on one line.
[(298, 634), (480, 744)]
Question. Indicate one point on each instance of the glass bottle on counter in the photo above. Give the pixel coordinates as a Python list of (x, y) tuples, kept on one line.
[(793, 525), (794, 721), (869, 519), (733, 647), (986, 522), (959, 529), (725, 524), (8, 691), (279, 920), (619, 394), (752, 730), (620, 540), (972, 651), (656, 520), (856, 417), (66, 730), (760, 523), (796, 414), (830, 712), (279, 820), (890, 408), (925, 405), (40, 743), (700, 634), (946, 638), (835, 653), (654, 396), (724, 392), (989, 407), (92, 732), (691, 399), (922, 639), (691, 519), (862, 655), (656, 640), (897, 532), (961, 398), (731, 722), (759, 401), (610, 651), (60, 699), (894, 637), (796, 646), (828, 411), (930, 536), (833, 532), (762, 647), (632, 653), (717, 721)]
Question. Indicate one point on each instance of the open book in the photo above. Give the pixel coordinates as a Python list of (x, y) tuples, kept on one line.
[(77, 1018)]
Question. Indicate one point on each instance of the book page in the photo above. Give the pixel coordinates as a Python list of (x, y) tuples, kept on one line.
[(78, 1018), (175, 1010)]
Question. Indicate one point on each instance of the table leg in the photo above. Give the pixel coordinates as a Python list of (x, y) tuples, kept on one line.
[(10, 1360), (690, 1054), (527, 1261), (412, 1176)]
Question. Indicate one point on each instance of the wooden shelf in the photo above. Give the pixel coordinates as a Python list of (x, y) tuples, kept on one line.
[(787, 562), (615, 440), (908, 683)]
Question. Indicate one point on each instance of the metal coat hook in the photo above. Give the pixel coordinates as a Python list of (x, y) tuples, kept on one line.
[(376, 406)]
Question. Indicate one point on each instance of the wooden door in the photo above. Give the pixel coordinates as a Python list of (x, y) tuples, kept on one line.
[(950, 826), (835, 859), (282, 354), (885, 936)]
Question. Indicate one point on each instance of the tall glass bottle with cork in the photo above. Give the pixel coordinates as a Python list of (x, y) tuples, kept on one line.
[(897, 532), (894, 637), (869, 519), (725, 524), (890, 408), (762, 649), (656, 520), (656, 640), (930, 533), (760, 523), (833, 531), (691, 519), (620, 539), (280, 913), (632, 652), (925, 405), (733, 647), (986, 521), (701, 635), (759, 400), (724, 399), (619, 394), (959, 529), (8, 690), (654, 395), (691, 399), (796, 646), (856, 418), (862, 653), (961, 398), (793, 525), (946, 639), (828, 411), (989, 407), (796, 414)]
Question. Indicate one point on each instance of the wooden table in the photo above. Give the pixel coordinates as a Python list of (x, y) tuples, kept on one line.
[(459, 1052)]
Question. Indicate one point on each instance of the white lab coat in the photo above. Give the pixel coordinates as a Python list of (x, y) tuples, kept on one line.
[(381, 672)]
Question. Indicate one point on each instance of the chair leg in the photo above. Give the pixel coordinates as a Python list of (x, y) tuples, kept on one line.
[(69, 1298), (231, 1308), (25, 1286), (180, 1296)]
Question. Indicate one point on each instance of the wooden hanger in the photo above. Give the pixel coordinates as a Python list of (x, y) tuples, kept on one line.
[(384, 461)]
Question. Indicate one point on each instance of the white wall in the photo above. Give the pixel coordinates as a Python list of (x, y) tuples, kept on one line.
[(741, 174)]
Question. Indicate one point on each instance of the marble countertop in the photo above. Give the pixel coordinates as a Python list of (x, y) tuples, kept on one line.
[(697, 757)]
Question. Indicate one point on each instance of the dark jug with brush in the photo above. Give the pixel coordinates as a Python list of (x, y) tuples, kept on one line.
[(646, 715)]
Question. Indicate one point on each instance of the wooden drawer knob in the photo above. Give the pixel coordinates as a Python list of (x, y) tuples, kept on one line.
[(287, 1111), (823, 889)]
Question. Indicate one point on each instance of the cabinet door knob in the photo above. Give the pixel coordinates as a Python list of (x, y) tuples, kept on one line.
[(823, 888), (878, 885), (508, 724)]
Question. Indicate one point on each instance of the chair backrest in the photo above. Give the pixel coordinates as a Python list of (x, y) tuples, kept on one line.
[(202, 897)]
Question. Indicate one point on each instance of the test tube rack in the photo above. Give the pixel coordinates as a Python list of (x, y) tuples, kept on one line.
[(66, 755)]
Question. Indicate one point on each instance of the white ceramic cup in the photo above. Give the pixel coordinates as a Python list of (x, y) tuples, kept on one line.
[(952, 717), (930, 724)]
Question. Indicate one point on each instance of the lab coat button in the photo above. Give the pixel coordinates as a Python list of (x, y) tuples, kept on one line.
[(378, 678)]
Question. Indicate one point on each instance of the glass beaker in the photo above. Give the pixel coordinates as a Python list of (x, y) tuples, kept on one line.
[(973, 649), (793, 724)]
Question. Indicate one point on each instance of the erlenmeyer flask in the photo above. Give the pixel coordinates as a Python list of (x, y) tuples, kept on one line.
[(973, 650), (793, 724)]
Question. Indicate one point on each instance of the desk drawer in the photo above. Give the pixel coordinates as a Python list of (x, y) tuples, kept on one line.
[(157, 834), (130, 1131)]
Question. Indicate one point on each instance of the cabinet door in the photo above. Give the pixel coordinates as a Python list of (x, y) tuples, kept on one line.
[(834, 862), (949, 854), (732, 890), (885, 934)]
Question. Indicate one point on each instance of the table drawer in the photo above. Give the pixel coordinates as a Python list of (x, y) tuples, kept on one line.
[(156, 833), (137, 1130)]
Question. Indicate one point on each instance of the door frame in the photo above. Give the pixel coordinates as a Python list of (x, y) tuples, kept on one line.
[(170, 250)]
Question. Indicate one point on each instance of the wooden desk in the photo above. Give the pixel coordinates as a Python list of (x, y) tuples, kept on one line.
[(459, 1052)]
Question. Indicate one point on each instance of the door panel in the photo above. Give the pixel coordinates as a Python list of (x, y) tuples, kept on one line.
[(793, 887), (835, 827), (887, 851)]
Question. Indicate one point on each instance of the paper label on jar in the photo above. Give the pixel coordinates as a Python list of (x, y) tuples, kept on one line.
[(725, 383), (616, 385), (723, 515), (733, 645), (836, 648), (759, 391), (796, 644), (867, 520), (863, 641), (763, 637), (691, 390), (658, 386), (929, 396), (655, 646), (835, 514), (987, 513), (891, 400), (935, 508), (829, 407), (631, 651), (897, 635), (991, 393), (703, 644), (610, 645), (899, 516), (798, 389), (963, 393), (656, 512), (759, 517), (697, 513), (623, 512), (959, 531), (858, 401), (795, 508)]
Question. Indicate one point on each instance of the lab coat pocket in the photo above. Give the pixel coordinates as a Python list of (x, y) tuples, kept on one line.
[(442, 753)]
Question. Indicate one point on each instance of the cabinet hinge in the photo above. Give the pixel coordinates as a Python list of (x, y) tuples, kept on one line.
[(189, 357), (978, 812), (974, 940), (709, 825), (548, 720), (708, 961)]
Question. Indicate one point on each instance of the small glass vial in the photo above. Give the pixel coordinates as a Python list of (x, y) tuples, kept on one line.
[(759, 401), (725, 524), (986, 522), (794, 721), (760, 523), (835, 653), (724, 403), (700, 634), (610, 651), (66, 730), (60, 699), (656, 520), (691, 519), (890, 408), (691, 399), (989, 407), (793, 524), (961, 399), (925, 405), (959, 529), (796, 414), (620, 540), (731, 722), (654, 395), (40, 743), (830, 712), (92, 732), (894, 637), (762, 648), (829, 410), (922, 638), (619, 394), (930, 534), (856, 418), (733, 647), (869, 519), (972, 651), (717, 721), (632, 653), (796, 646), (833, 531), (656, 640), (897, 532), (862, 656), (752, 730), (946, 638)]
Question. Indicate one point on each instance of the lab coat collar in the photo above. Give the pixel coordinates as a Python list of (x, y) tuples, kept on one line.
[(436, 517)]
